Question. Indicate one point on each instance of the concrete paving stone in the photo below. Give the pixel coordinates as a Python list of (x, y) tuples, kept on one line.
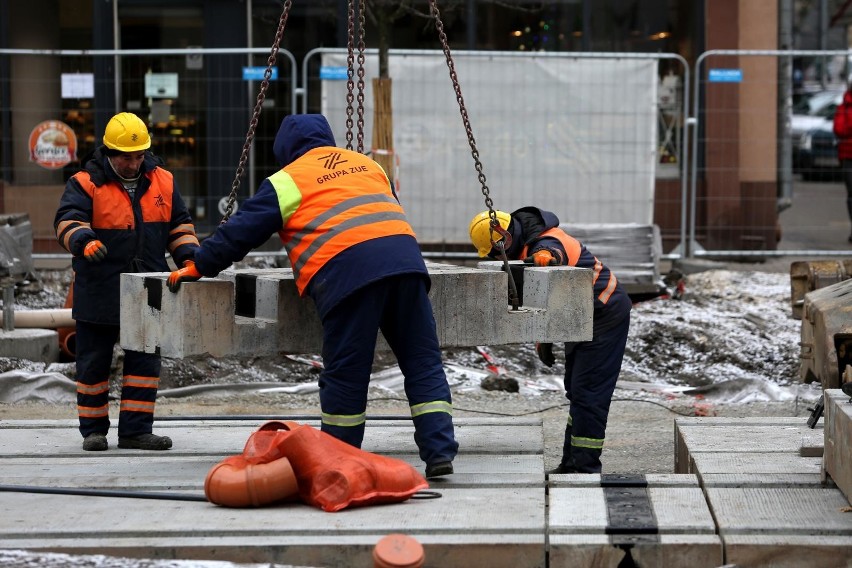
[(789, 550), (677, 510), (765, 480), (576, 480), (213, 437), (838, 440), (704, 463), (669, 551), (509, 528), (779, 511)]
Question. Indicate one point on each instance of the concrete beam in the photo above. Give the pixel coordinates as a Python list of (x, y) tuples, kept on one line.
[(258, 311)]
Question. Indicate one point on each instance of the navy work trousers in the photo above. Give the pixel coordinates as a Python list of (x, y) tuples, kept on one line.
[(591, 371), (141, 376), (398, 306)]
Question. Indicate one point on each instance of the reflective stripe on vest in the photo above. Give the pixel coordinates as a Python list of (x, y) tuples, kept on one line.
[(344, 420), (325, 213), (434, 406), (573, 248)]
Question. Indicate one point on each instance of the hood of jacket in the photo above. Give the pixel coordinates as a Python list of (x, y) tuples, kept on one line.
[(300, 133)]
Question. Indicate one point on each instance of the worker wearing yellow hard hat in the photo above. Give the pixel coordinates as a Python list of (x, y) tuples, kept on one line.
[(120, 213), (482, 235), (126, 132), (591, 367)]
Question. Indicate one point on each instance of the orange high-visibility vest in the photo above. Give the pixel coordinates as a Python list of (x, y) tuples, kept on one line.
[(331, 199), (112, 209), (574, 249)]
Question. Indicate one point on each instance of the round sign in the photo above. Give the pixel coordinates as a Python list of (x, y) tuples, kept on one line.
[(52, 144), (223, 204)]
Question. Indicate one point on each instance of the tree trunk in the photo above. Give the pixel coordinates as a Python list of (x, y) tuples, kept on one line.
[(383, 126)]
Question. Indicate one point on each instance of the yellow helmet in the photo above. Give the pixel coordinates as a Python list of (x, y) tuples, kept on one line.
[(126, 132), (481, 233)]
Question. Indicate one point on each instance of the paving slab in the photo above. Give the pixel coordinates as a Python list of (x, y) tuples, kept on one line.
[(631, 521), (491, 512), (838, 439)]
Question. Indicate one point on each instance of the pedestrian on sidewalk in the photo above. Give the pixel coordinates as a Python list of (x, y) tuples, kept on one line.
[(591, 367), (355, 254), (843, 132), (121, 213)]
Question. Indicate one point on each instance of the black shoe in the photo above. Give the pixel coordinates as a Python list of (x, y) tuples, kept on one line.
[(95, 442), (439, 469), (563, 469), (145, 442)]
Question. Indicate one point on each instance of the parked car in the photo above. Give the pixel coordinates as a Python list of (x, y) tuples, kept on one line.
[(814, 112), (818, 153)]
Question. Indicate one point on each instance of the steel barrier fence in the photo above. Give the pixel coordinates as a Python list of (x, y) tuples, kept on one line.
[(748, 163), (197, 103), (595, 137), (755, 155)]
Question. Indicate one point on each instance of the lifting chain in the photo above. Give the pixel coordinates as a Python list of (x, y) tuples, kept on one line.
[(351, 72), (264, 85), (504, 240)]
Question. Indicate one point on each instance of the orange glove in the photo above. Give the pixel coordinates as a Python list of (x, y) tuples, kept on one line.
[(186, 274), (545, 353), (542, 257), (94, 251)]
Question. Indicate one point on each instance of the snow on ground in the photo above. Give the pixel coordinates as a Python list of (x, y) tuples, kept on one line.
[(731, 337)]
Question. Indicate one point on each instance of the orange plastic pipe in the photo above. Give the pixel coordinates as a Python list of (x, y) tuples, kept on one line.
[(236, 483)]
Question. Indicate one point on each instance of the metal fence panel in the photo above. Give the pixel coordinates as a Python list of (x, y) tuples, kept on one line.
[(197, 104), (575, 133), (755, 154)]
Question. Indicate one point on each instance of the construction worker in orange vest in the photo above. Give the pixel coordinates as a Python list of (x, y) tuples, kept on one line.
[(120, 213), (591, 367), (354, 253)]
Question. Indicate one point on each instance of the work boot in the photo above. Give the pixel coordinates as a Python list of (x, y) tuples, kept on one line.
[(439, 469), (562, 468), (95, 442), (145, 442)]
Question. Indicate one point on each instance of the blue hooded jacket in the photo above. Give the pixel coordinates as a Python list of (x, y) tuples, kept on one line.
[(259, 217)]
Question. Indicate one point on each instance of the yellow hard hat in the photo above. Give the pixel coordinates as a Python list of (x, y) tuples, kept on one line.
[(126, 132), (481, 233)]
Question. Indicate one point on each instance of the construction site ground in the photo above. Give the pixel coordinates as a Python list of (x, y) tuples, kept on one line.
[(640, 440)]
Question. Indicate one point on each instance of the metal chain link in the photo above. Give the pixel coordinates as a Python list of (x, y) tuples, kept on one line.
[(495, 224), (261, 96), (350, 72), (361, 46)]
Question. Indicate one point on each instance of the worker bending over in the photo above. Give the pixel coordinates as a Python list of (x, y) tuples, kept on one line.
[(591, 367), (354, 253)]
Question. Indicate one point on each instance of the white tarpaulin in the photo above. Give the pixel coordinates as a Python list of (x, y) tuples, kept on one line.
[(576, 136)]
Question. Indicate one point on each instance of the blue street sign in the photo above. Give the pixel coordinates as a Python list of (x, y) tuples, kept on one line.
[(257, 73), (330, 73), (726, 76)]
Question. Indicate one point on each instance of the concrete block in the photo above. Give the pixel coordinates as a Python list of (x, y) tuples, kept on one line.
[(837, 459), (719, 436), (258, 312), (591, 526), (32, 344), (779, 511)]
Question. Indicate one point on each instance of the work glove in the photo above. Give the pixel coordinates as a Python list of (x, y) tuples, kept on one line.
[(186, 274), (94, 251), (545, 353), (542, 257)]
